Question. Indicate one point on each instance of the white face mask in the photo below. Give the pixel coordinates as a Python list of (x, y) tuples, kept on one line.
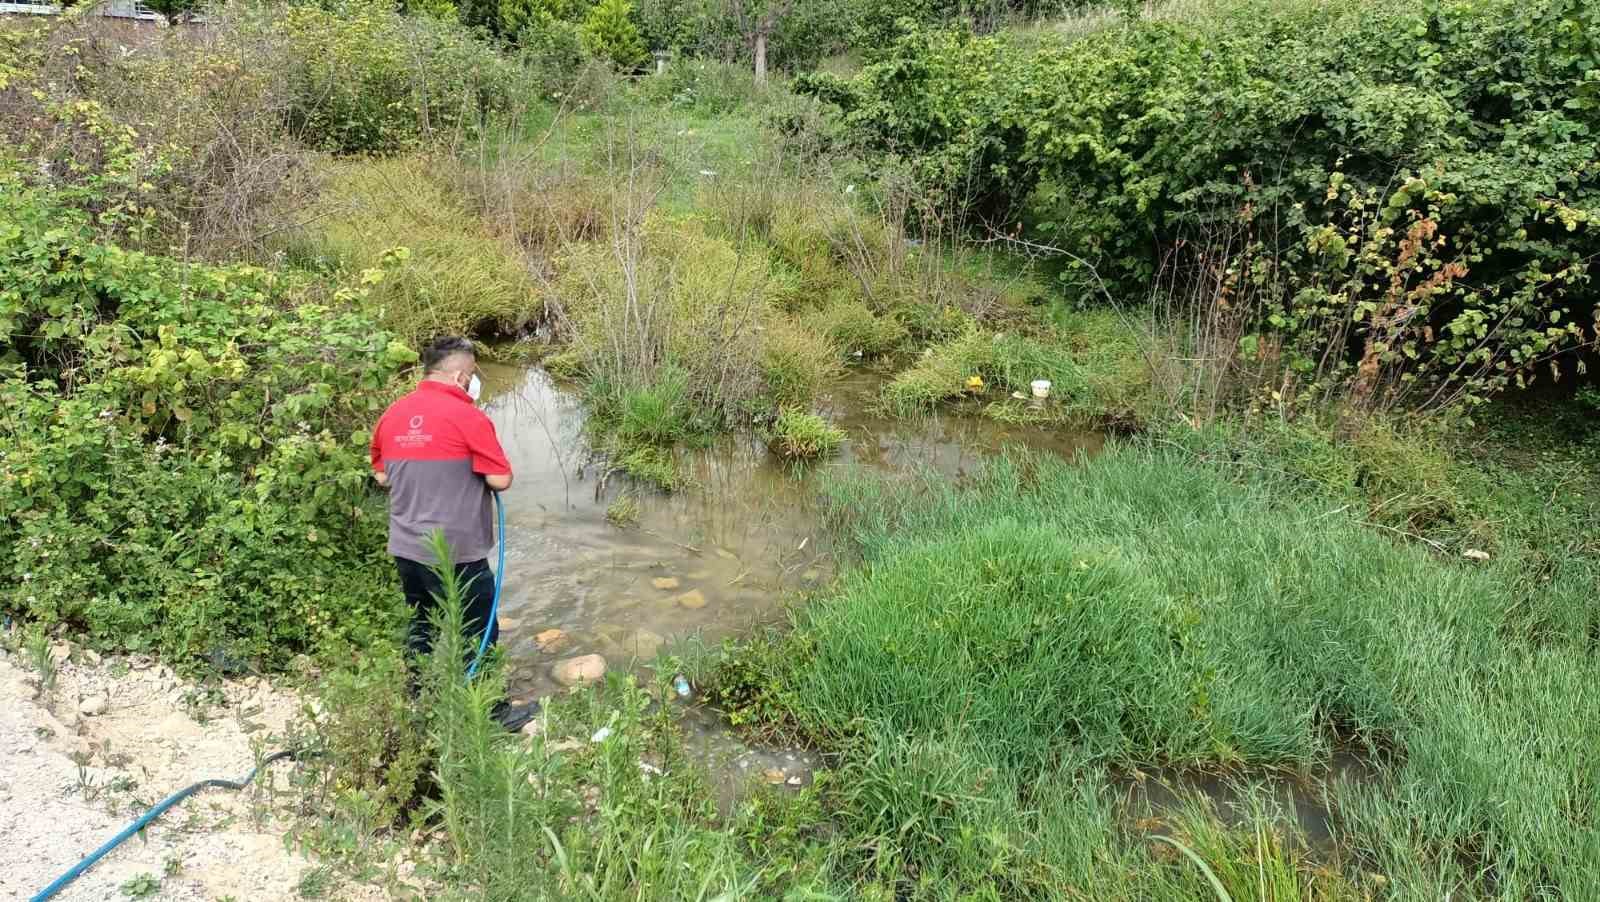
[(475, 387)]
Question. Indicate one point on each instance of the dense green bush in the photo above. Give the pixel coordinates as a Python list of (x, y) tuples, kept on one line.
[(1436, 158), (610, 33), (179, 442)]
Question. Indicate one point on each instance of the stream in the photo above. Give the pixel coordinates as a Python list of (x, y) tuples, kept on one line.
[(714, 560), (724, 557)]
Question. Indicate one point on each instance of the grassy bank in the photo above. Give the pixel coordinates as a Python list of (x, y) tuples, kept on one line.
[(1010, 646)]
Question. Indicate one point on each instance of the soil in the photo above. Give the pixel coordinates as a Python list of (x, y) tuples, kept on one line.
[(111, 738)]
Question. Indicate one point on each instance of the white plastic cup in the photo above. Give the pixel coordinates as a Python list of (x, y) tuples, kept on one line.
[(1041, 388)]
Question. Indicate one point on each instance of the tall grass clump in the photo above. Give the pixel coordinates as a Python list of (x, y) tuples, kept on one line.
[(798, 435), (663, 295), (1142, 610), (451, 274)]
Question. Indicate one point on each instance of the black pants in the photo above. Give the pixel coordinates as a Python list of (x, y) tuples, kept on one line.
[(422, 589)]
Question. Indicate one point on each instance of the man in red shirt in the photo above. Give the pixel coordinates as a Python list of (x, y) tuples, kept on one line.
[(438, 455)]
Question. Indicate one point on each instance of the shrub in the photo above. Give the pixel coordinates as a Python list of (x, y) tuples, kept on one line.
[(179, 442), (552, 55), (1232, 121), (182, 143), (609, 32), (797, 435)]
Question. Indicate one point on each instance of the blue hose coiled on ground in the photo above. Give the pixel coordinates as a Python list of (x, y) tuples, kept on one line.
[(145, 819)]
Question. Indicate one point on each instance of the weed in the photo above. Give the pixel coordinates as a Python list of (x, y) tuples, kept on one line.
[(88, 787), (657, 414), (798, 435), (315, 883), (173, 866), (624, 511), (36, 644), (796, 364), (653, 465), (1000, 630), (855, 330), (142, 886), (366, 743), (452, 276)]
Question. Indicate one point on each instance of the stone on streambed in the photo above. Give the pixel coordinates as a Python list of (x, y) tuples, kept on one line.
[(693, 599), (665, 582), (580, 670), (550, 640), (94, 706)]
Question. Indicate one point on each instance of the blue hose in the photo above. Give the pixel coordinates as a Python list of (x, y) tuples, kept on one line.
[(78, 869), (499, 579), (144, 820)]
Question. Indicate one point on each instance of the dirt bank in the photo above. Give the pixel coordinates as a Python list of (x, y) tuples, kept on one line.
[(81, 760)]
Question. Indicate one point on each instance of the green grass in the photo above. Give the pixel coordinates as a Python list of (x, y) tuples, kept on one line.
[(1010, 645), (1004, 362), (798, 435)]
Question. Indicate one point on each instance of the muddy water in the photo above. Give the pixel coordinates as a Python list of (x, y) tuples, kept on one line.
[(713, 560)]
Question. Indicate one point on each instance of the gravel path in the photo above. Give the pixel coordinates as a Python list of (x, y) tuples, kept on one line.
[(80, 762)]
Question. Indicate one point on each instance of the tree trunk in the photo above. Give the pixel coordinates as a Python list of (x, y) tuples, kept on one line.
[(761, 57)]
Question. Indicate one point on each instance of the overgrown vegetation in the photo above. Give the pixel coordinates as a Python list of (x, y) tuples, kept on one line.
[(1297, 248), (1413, 240), (180, 440)]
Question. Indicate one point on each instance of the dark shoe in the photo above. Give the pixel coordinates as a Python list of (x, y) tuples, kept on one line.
[(513, 717)]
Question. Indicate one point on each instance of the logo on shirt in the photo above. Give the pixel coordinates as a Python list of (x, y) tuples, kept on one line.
[(414, 438)]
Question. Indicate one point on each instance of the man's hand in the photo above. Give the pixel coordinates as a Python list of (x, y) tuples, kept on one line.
[(381, 478), (498, 483)]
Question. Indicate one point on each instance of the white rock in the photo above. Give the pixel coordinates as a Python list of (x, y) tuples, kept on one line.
[(1474, 554), (93, 706)]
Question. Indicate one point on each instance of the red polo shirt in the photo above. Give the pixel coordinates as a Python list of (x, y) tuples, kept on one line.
[(436, 446)]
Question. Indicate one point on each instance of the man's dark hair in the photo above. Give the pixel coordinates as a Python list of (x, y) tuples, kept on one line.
[(443, 349)]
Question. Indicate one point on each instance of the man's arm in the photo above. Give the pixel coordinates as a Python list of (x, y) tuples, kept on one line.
[(379, 474), (488, 458)]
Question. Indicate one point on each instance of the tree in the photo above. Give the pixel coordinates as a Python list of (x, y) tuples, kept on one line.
[(757, 20), (609, 32)]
